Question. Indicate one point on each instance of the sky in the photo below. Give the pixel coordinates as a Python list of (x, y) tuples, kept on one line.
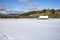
[(31, 4)]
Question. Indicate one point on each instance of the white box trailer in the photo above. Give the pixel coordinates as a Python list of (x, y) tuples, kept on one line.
[(43, 17)]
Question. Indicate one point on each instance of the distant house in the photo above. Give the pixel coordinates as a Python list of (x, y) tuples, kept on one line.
[(43, 17)]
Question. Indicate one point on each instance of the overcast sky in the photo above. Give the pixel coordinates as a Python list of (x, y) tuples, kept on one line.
[(31, 4)]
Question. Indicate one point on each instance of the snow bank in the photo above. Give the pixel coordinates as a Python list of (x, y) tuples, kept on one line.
[(29, 29)]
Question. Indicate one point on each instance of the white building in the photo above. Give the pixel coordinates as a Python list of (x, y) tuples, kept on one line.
[(43, 17)]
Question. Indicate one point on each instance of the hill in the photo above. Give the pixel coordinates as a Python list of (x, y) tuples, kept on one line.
[(34, 14)]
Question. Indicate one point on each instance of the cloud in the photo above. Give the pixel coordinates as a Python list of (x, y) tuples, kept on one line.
[(24, 1), (31, 5), (3, 6)]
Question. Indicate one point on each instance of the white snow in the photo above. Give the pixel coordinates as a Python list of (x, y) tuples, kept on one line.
[(29, 29), (0, 35), (11, 38)]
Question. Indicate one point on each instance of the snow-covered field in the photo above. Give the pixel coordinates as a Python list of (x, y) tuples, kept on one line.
[(29, 29)]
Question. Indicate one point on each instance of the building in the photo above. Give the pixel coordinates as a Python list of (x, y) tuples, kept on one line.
[(43, 17)]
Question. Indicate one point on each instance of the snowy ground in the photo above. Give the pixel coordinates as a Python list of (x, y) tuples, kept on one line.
[(29, 29)]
